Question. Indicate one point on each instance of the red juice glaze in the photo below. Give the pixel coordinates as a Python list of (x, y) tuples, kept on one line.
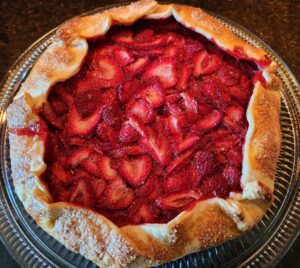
[(39, 128), (154, 121)]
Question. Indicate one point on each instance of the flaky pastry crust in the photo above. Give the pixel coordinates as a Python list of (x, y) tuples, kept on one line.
[(211, 221)]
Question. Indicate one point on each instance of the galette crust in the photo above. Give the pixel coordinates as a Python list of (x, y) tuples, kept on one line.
[(211, 221)]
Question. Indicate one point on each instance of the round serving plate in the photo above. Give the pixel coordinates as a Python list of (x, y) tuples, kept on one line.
[(263, 246)]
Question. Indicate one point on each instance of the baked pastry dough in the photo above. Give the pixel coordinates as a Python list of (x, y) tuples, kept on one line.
[(209, 222)]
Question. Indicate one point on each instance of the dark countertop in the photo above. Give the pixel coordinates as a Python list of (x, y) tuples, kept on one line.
[(275, 21)]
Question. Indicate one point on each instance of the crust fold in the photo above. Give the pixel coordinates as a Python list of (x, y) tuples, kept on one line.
[(210, 222)]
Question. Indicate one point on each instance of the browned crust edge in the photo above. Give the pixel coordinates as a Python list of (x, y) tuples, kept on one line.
[(210, 222)]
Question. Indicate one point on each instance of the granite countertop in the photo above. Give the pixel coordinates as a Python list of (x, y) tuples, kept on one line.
[(275, 21)]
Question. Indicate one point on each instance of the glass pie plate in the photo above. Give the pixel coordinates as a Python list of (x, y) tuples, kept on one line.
[(263, 246)]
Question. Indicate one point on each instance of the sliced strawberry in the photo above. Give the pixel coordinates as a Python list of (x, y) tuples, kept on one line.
[(191, 108), (152, 53), (239, 94), (128, 89), (214, 186), (235, 113), (189, 141), (184, 77), (91, 164), (139, 126), (165, 70), (123, 37), (151, 188), (144, 212), (142, 109), (231, 124), (59, 173), (170, 91), (204, 108), (86, 103), (79, 174), (179, 161), (107, 171), (155, 140), (176, 182), (171, 51), (205, 162), (209, 121), (235, 156), (174, 124), (106, 50), (158, 41), (233, 177), (178, 200), (221, 158), (51, 117), (194, 89), (229, 75), (136, 170), (107, 133), (146, 35), (225, 98), (206, 63), (103, 146), (246, 84), (123, 56), (224, 144), (183, 179), (111, 114), (86, 84), (158, 148), (172, 97), (233, 119), (176, 109), (160, 126), (117, 153), (192, 47), (220, 133), (117, 195), (81, 194), (98, 187), (107, 72), (138, 66), (79, 155), (173, 38), (134, 149), (128, 134), (153, 93), (79, 126)]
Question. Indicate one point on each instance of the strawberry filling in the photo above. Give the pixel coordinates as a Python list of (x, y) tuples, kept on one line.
[(154, 122)]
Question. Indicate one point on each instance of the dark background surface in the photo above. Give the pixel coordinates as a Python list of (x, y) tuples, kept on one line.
[(274, 21)]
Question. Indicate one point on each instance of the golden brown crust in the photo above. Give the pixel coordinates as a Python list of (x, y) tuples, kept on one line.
[(262, 142), (214, 30), (211, 221)]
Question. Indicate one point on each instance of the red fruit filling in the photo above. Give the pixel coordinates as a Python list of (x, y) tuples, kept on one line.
[(154, 122)]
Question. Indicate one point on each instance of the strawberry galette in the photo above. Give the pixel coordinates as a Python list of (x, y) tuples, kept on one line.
[(145, 133)]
